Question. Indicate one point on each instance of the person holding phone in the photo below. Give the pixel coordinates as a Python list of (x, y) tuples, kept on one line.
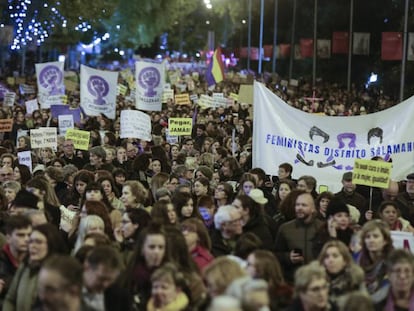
[(296, 238)]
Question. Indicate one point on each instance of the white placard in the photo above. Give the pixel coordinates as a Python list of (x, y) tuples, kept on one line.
[(150, 78), (65, 122), (9, 99), (44, 137), (31, 105), (25, 158), (135, 124), (404, 240)]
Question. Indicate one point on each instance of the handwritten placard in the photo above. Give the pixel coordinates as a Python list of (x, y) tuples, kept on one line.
[(371, 173), (9, 99), (65, 122), (6, 125), (43, 137), (135, 124), (167, 94), (182, 99), (80, 138), (180, 126)]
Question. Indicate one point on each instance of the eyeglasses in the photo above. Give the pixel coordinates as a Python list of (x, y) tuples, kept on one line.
[(400, 271), (66, 146)]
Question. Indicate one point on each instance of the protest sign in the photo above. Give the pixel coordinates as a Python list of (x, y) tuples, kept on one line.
[(27, 89), (98, 92), (150, 78), (371, 173), (6, 125), (121, 89), (50, 83), (80, 138), (169, 138), (25, 158), (11, 80), (246, 94), (167, 94), (180, 126), (182, 99), (206, 101), (9, 99), (234, 96), (135, 124), (31, 105), (65, 123), (403, 240), (43, 137), (57, 110), (71, 86), (194, 98)]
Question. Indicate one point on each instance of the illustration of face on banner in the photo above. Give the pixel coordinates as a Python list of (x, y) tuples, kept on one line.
[(98, 92), (327, 147), (150, 79), (50, 82)]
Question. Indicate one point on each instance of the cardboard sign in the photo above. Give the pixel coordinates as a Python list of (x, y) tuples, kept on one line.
[(180, 126), (65, 123), (31, 105), (6, 125), (372, 173), (9, 99), (182, 99), (25, 158), (80, 138), (206, 101), (43, 137), (194, 98)]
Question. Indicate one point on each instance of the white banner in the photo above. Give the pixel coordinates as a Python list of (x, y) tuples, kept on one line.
[(49, 81), (31, 105), (326, 147), (98, 92), (25, 158), (404, 240), (135, 124), (150, 78)]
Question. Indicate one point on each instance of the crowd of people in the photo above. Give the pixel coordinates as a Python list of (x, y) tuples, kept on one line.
[(190, 224)]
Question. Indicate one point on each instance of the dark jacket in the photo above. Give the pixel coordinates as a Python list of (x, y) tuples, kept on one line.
[(295, 234), (117, 299), (8, 268), (298, 306), (218, 247), (258, 226), (354, 199)]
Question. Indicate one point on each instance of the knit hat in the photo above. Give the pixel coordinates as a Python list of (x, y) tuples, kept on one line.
[(25, 199), (336, 206)]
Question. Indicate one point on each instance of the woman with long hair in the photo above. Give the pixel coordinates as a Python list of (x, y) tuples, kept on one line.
[(376, 245), (48, 201), (345, 276), (263, 264)]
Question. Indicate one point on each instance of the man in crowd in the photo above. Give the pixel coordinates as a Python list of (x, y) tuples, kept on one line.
[(295, 239), (405, 200), (350, 196), (97, 160), (18, 230), (101, 268), (228, 228), (69, 154), (60, 285), (6, 173)]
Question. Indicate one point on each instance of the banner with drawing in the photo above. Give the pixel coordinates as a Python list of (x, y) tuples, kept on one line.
[(50, 83), (326, 147), (98, 92), (150, 78)]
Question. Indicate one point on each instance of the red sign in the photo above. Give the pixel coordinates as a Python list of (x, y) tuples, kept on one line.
[(340, 42), (391, 48), (284, 50), (268, 51)]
